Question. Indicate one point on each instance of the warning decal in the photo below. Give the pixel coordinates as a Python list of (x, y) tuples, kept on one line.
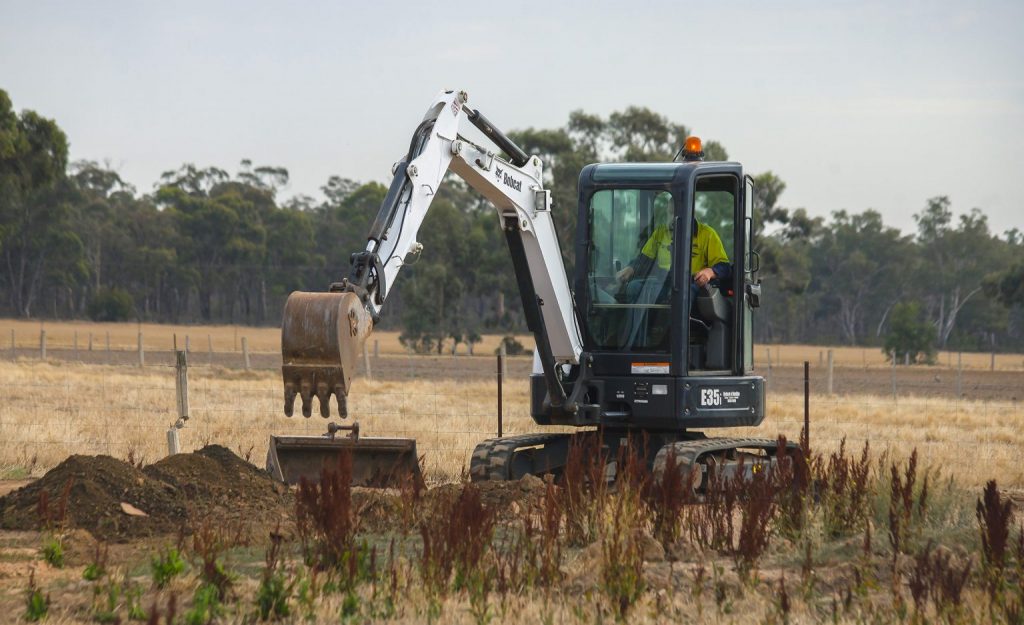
[(649, 368)]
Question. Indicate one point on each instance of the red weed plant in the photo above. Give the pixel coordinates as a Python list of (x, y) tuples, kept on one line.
[(326, 521)]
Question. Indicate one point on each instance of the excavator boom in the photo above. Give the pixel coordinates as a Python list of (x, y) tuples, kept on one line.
[(322, 334)]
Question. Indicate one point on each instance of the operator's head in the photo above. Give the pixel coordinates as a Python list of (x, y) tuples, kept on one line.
[(662, 211)]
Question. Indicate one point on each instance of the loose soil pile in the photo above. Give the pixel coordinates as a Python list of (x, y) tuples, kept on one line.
[(215, 482), (178, 492), (382, 511)]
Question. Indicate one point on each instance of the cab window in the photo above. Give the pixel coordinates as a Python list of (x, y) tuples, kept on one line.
[(629, 269)]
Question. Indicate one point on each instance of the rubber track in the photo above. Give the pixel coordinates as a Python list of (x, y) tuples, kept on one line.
[(688, 453), (492, 458)]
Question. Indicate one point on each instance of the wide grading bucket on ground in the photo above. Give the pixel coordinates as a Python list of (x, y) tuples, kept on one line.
[(322, 336), (376, 462)]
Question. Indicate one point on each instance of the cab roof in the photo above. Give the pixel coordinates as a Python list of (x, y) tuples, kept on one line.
[(648, 172)]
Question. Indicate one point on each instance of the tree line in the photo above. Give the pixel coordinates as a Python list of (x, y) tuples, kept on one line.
[(209, 245)]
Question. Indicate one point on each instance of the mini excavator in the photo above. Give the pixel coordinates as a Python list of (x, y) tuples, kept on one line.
[(652, 356)]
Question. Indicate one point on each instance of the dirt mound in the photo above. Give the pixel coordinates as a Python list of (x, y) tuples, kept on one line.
[(212, 483), (219, 484), (382, 511), (510, 498), (98, 487)]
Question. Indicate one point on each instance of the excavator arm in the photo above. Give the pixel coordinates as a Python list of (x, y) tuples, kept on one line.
[(323, 333)]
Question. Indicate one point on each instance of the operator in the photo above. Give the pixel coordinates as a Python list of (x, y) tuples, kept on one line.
[(708, 260)]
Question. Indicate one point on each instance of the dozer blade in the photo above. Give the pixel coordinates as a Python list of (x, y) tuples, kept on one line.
[(321, 338), (376, 462)]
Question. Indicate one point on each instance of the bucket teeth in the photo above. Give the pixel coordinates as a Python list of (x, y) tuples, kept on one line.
[(289, 399), (339, 394), (306, 392), (324, 395)]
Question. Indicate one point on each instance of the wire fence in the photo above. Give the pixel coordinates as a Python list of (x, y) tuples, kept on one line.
[(449, 404)]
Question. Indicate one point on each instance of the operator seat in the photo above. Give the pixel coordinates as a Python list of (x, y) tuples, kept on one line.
[(715, 311)]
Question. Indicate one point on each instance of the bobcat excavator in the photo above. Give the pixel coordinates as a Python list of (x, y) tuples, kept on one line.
[(652, 356)]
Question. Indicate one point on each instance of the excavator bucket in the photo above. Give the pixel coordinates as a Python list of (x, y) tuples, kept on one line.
[(376, 462), (321, 338), (322, 335)]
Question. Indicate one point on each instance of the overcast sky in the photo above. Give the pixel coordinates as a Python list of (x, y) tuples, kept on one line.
[(854, 104)]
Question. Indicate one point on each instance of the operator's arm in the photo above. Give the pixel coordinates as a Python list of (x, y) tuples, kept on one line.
[(711, 262), (718, 260), (641, 265)]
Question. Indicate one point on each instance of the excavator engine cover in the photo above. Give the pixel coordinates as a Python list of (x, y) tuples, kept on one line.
[(321, 338)]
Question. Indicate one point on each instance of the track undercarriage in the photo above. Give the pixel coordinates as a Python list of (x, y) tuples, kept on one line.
[(513, 457)]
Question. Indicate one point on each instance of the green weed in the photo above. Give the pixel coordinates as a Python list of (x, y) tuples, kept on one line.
[(98, 567), (206, 605), (166, 565), (53, 551), (275, 590), (37, 605)]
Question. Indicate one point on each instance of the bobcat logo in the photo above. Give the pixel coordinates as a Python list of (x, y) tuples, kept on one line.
[(508, 181)]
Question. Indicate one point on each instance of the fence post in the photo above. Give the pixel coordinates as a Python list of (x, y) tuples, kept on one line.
[(821, 359), (376, 349), (142, 352), (90, 341), (959, 374), (245, 352), (188, 344), (181, 392), (831, 364), (366, 361), (805, 438), (501, 372), (108, 347), (992, 364), (209, 347), (894, 376), (42, 345), (14, 349), (181, 385), (75, 344)]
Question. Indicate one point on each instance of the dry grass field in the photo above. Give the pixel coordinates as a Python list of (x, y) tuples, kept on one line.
[(51, 410)]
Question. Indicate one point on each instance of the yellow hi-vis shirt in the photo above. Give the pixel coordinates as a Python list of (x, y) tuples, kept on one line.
[(707, 249)]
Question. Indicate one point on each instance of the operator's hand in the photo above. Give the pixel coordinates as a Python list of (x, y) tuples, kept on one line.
[(624, 275), (704, 276)]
